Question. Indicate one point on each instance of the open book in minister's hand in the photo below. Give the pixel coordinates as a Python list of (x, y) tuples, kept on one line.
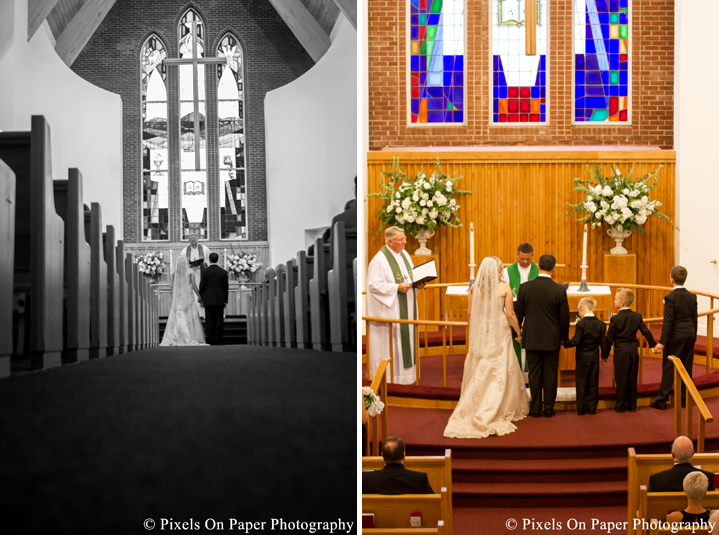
[(424, 273), (195, 263)]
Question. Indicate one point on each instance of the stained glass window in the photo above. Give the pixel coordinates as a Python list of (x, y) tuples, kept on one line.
[(155, 187), (193, 127), (520, 83), (231, 122), (601, 61), (436, 58)]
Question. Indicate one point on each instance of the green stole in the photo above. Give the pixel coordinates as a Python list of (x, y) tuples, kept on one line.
[(515, 279), (402, 297)]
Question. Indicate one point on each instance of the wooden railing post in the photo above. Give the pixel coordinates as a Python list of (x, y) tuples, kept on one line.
[(710, 337)]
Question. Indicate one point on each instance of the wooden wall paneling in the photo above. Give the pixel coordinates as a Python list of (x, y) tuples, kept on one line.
[(522, 196)]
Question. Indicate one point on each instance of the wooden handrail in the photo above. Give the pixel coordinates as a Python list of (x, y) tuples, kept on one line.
[(693, 397), (379, 387)]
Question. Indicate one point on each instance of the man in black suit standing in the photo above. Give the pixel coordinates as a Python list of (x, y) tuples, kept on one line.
[(543, 312), (394, 478), (672, 480), (214, 291), (679, 334)]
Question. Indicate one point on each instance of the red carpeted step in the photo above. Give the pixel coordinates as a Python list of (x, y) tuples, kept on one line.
[(568, 494), (559, 470)]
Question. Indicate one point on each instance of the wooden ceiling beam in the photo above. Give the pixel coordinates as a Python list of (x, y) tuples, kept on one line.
[(37, 12), (81, 28), (349, 10), (307, 30)]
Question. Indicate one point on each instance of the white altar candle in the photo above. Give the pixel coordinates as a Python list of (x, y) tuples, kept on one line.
[(471, 243), (584, 247)]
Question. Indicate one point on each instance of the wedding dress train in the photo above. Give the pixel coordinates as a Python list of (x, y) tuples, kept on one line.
[(493, 394), (184, 327)]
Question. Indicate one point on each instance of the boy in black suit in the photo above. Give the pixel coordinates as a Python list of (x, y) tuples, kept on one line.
[(679, 334), (622, 333), (591, 342)]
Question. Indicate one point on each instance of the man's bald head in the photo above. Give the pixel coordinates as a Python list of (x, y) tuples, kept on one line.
[(682, 450)]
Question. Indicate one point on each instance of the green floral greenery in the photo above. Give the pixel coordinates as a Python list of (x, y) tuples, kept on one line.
[(619, 201), (418, 203)]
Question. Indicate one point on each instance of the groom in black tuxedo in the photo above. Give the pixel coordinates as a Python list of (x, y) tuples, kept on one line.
[(214, 291), (543, 305)]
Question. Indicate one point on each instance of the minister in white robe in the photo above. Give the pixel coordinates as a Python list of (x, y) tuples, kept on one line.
[(389, 283)]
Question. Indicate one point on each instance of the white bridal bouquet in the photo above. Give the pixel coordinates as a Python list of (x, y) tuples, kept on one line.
[(242, 263), (618, 201), (371, 401), (151, 265), (421, 203)]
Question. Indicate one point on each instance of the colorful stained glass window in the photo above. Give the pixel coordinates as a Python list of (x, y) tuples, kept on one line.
[(231, 122), (520, 82), (155, 187), (193, 127), (436, 57), (601, 61)]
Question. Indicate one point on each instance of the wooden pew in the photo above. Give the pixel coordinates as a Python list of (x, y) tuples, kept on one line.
[(113, 293), (264, 292), (289, 303), (131, 295), (319, 301), (270, 286), (440, 529), (251, 317), (98, 282), (278, 303), (38, 272), (7, 246), (655, 505), (142, 309), (640, 467), (122, 296), (340, 281), (438, 469), (68, 201), (302, 300), (393, 511)]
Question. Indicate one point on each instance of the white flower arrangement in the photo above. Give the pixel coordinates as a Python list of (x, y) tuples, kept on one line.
[(618, 201), (419, 203), (242, 263), (151, 265), (371, 401)]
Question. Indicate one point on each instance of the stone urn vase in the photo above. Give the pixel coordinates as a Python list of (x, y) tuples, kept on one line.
[(422, 237), (618, 237)]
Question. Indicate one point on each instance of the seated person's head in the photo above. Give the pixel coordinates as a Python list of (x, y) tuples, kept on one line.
[(393, 450), (682, 450), (586, 306), (547, 262), (679, 275), (695, 486), (214, 257), (623, 298)]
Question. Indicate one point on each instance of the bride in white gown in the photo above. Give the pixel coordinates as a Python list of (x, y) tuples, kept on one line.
[(493, 393), (184, 327)]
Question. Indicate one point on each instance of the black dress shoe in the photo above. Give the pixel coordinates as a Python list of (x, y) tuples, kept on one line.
[(631, 410), (658, 405), (548, 414), (592, 412), (534, 415), (620, 411)]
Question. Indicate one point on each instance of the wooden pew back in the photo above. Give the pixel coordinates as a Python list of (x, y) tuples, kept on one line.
[(270, 286), (39, 234), (69, 205), (319, 305), (640, 467), (438, 469), (440, 530), (289, 303), (7, 246), (656, 505), (98, 290), (340, 282), (122, 291), (113, 290), (305, 265), (393, 511), (279, 304)]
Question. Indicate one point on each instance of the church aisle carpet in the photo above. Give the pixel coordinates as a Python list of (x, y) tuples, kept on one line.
[(228, 432)]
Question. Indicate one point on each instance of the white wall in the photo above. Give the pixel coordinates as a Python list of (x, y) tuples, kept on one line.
[(311, 146), (85, 121), (696, 140)]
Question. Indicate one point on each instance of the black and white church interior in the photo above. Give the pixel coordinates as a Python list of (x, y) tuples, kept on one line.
[(178, 319)]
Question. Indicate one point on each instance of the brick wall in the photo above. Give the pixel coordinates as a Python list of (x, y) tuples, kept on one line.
[(652, 105), (273, 57)]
